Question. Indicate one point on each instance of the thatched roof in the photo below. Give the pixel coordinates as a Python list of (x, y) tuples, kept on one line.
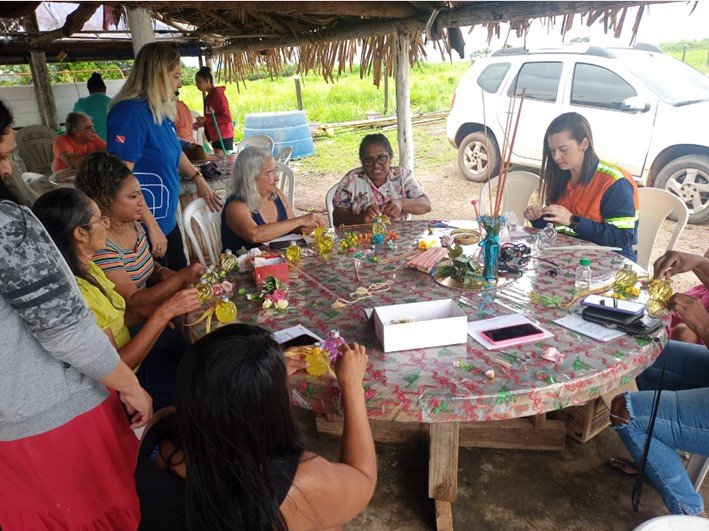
[(326, 37)]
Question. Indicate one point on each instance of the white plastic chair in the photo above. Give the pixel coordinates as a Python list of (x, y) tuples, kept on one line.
[(198, 134), (328, 203), (34, 132), (263, 141), (37, 155), (655, 206), (697, 469), (18, 185), (208, 224), (286, 181), (519, 189), (284, 155)]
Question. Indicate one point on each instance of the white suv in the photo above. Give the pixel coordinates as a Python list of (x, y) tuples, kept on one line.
[(649, 113)]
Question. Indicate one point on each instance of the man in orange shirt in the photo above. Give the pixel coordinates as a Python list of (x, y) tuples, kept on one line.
[(79, 140), (183, 121)]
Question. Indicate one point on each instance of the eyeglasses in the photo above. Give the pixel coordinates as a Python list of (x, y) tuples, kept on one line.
[(379, 159), (89, 128), (103, 220), (272, 174)]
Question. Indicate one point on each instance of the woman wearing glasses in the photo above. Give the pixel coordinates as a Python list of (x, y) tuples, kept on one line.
[(79, 140), (79, 229), (377, 187), (258, 211)]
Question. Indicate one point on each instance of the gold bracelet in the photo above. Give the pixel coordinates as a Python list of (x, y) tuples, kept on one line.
[(196, 173)]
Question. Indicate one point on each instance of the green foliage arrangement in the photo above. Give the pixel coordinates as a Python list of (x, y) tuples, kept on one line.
[(464, 269)]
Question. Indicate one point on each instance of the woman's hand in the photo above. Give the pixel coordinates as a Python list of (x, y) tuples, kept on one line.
[(392, 209), (532, 212), (295, 361), (692, 312), (557, 214), (310, 222), (191, 273), (350, 366), (210, 197), (182, 302), (158, 242), (675, 262), (139, 405), (371, 213)]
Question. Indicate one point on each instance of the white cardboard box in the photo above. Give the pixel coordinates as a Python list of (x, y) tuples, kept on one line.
[(430, 324)]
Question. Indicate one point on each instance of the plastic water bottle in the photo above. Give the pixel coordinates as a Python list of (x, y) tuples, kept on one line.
[(583, 275)]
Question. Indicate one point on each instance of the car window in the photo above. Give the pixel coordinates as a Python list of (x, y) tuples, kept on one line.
[(491, 78), (540, 81), (596, 86)]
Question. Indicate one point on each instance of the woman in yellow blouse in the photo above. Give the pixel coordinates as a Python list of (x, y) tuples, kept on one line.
[(76, 225)]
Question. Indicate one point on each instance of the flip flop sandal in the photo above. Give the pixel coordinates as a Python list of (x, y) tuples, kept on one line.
[(624, 465)]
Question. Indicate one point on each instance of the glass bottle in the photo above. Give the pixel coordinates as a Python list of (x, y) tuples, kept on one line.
[(228, 261), (293, 253), (210, 275), (226, 310), (660, 290), (583, 275), (379, 226), (626, 277), (332, 344), (547, 236), (204, 290)]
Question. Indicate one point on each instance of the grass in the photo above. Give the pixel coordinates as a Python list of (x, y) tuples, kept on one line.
[(431, 86)]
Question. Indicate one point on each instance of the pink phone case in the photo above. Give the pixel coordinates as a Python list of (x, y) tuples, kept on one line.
[(514, 341)]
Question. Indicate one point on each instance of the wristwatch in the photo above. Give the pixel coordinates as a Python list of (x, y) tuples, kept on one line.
[(575, 220)]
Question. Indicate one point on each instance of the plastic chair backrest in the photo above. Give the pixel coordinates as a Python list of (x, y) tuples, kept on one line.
[(37, 155), (655, 206), (18, 185), (208, 234), (696, 470), (519, 189), (284, 155), (263, 141), (286, 181), (328, 202), (34, 132)]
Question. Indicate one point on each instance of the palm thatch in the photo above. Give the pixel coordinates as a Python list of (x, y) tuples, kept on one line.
[(324, 37)]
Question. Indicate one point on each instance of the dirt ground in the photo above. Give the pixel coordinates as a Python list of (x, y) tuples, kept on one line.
[(450, 193)]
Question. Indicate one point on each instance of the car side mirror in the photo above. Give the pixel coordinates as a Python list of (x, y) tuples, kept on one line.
[(634, 104)]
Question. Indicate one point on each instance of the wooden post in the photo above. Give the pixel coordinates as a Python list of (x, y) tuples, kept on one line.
[(298, 95), (141, 27), (40, 79), (443, 471), (386, 93), (403, 100)]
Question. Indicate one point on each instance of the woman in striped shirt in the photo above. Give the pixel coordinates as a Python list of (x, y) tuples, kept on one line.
[(127, 263)]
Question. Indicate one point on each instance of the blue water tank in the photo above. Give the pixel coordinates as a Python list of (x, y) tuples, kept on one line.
[(286, 128)]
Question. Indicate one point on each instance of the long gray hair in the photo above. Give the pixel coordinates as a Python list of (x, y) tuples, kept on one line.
[(247, 169)]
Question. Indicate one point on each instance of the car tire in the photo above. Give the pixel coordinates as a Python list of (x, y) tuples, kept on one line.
[(474, 157), (688, 178)]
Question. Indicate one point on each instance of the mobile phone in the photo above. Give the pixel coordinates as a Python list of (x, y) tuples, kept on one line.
[(512, 333), (299, 341), (285, 243), (609, 303)]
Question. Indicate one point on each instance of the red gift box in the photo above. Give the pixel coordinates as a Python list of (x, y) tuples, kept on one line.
[(270, 265)]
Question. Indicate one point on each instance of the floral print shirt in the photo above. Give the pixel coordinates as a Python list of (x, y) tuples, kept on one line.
[(356, 191)]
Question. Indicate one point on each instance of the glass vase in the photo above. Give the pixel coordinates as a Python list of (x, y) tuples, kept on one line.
[(491, 253)]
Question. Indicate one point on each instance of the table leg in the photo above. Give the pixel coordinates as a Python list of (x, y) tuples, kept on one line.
[(443, 471)]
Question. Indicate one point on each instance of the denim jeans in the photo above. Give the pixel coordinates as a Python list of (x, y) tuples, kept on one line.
[(682, 422)]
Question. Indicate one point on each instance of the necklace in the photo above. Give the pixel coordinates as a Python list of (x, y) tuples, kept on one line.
[(123, 234)]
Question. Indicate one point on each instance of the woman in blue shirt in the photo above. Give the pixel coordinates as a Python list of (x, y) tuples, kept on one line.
[(141, 132)]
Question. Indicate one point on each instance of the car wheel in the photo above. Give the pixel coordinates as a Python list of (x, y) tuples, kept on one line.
[(474, 157), (688, 178)]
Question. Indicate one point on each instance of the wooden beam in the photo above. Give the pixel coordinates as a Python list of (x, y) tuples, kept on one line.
[(340, 9), (443, 461), (514, 433), (40, 77), (74, 22), (383, 431), (405, 134), (462, 16)]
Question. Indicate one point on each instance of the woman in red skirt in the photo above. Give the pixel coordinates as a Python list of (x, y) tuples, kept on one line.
[(67, 451)]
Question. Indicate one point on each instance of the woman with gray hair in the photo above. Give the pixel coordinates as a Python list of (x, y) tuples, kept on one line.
[(79, 140), (258, 211), (141, 132)]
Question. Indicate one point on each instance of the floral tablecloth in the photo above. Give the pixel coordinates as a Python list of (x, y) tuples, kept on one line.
[(447, 384)]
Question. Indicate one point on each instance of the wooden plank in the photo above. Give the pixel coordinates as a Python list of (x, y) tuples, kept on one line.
[(444, 516), (405, 134), (383, 431), (515, 433), (443, 461)]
